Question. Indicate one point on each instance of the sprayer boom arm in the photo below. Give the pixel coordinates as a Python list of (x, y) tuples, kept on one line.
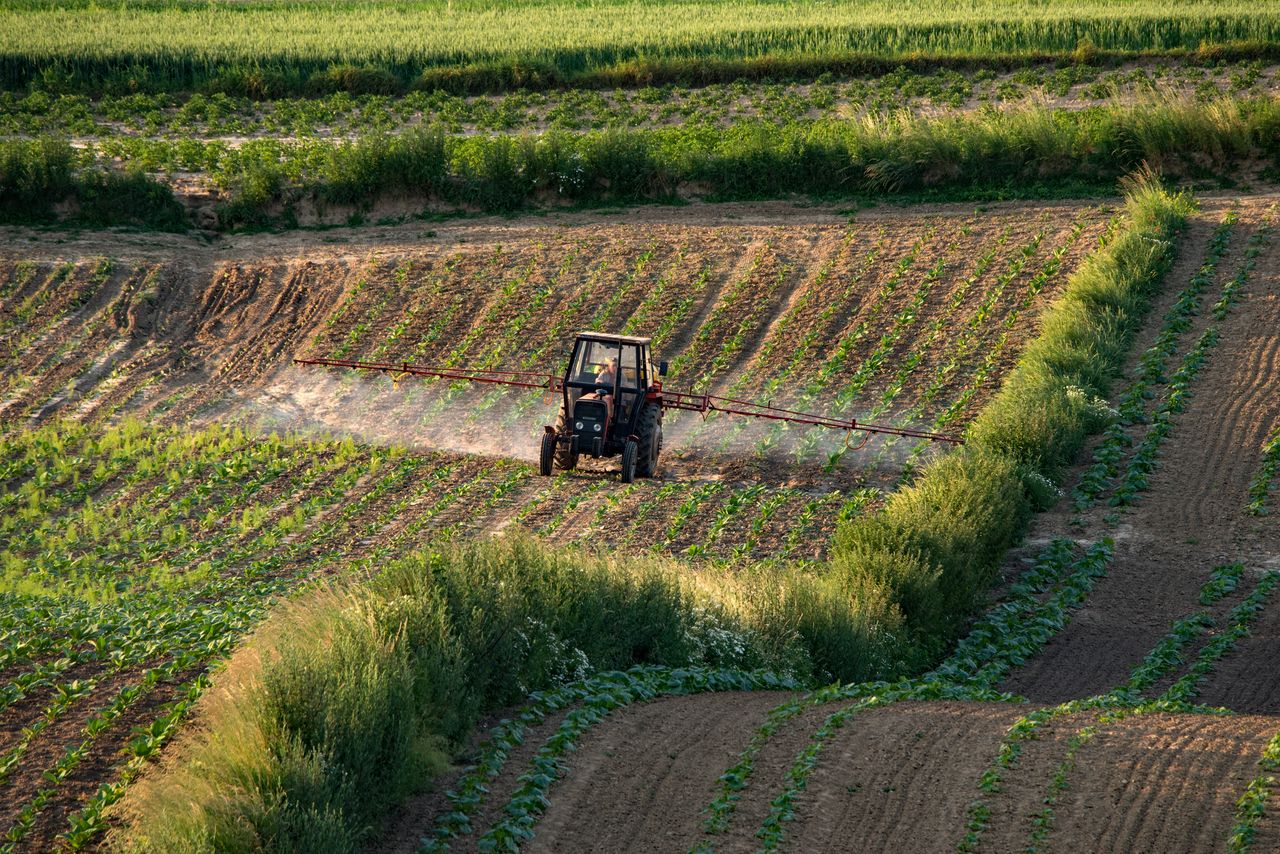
[(522, 379), (703, 403)]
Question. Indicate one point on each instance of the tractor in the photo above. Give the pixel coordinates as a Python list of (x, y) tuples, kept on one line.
[(611, 404)]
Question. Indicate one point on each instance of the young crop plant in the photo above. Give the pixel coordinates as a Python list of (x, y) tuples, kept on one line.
[(1252, 805), (1262, 484)]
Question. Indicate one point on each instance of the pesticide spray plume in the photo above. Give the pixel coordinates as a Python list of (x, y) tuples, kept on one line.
[(503, 422), (416, 414)]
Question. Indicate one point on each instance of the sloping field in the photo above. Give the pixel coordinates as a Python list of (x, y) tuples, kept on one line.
[(164, 537), (1113, 736), (905, 320)]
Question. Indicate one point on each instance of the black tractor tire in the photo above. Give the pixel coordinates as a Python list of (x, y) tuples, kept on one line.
[(649, 434), (548, 455), (630, 450), (566, 457)]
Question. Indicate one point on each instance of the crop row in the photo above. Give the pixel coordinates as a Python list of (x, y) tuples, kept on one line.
[(221, 115), (348, 47)]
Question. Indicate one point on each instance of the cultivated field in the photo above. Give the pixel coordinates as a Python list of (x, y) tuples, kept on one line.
[(1136, 615), (250, 606)]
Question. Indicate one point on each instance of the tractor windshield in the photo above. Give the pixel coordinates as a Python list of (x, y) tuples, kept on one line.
[(605, 363), (606, 368)]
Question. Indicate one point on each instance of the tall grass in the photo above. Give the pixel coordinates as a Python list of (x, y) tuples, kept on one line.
[(268, 48), (348, 698), (935, 547), (1023, 152), (42, 180), (1027, 150)]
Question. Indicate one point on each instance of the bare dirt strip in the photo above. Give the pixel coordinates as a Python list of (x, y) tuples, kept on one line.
[(903, 777)]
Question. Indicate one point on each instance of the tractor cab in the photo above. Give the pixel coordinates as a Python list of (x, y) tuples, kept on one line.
[(611, 396)]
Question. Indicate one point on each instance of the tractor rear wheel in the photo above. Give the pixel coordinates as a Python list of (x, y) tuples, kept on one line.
[(630, 451), (566, 457), (649, 434), (548, 454)]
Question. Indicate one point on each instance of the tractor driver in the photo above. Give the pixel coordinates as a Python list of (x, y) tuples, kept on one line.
[(607, 377)]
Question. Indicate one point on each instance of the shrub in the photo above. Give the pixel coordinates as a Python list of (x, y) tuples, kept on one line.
[(348, 698)]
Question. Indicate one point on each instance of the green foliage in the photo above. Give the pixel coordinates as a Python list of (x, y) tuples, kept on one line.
[(1030, 150), (33, 175), (1054, 397), (38, 175), (472, 46), (345, 700)]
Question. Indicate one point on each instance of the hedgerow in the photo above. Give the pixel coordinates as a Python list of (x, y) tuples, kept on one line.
[(934, 547), (347, 699), (1031, 151)]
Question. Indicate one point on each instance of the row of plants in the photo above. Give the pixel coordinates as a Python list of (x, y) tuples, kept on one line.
[(1020, 152), (1262, 484), (1161, 662), (264, 50), (219, 114), (37, 176), (1131, 404), (1179, 697)]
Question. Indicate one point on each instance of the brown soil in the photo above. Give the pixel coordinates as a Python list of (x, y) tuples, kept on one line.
[(891, 775), (655, 765)]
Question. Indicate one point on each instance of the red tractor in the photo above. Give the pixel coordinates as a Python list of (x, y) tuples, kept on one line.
[(611, 404)]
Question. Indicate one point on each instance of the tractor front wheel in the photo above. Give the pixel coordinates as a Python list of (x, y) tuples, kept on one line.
[(649, 433), (630, 451), (548, 456), (566, 456)]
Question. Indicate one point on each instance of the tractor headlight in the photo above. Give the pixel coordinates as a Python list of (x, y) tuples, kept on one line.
[(596, 427), (578, 425)]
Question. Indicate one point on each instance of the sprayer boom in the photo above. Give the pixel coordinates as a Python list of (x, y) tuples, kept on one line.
[(613, 403)]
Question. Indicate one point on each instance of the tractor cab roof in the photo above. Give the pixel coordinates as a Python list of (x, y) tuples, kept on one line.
[(613, 339)]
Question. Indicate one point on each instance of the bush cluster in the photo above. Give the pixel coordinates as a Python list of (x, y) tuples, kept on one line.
[(347, 699), (39, 176)]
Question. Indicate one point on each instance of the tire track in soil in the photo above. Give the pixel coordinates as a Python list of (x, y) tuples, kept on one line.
[(1234, 425), (1168, 783), (659, 764), (890, 775)]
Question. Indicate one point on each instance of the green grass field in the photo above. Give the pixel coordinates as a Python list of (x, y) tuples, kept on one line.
[(277, 47)]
